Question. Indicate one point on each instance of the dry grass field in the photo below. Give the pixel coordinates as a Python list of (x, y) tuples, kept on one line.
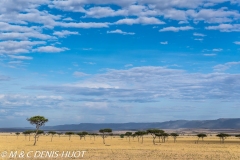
[(117, 148)]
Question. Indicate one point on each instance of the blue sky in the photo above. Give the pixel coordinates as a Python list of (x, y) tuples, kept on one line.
[(76, 61)]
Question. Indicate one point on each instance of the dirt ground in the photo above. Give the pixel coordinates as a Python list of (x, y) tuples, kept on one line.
[(117, 148)]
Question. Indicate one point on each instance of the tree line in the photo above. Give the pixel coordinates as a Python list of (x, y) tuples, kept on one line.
[(161, 135)]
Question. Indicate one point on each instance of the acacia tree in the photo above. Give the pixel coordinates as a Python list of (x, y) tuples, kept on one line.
[(140, 134), (52, 134), (201, 135), (28, 132), (93, 134), (111, 135), (104, 133), (38, 121), (133, 135), (164, 136), (128, 134), (17, 134), (238, 135), (161, 135), (222, 136), (38, 133), (82, 135), (59, 134), (174, 135), (121, 135), (69, 134), (25, 134), (137, 135), (154, 133)]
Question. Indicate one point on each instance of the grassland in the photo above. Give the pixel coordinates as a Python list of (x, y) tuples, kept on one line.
[(120, 148)]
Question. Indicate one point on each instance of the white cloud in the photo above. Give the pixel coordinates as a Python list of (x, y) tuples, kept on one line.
[(237, 42), (176, 29), (226, 66), (199, 34), (183, 22), (87, 49), (217, 49), (140, 20), (15, 62), (79, 74), (24, 36), (77, 6), (68, 19), (12, 100), (225, 27), (64, 33), (209, 55), (4, 78), (100, 12), (164, 43), (128, 65), (83, 24), (91, 63), (214, 16), (6, 27), (151, 83), (21, 57), (96, 105), (118, 31), (49, 49), (15, 47), (198, 39), (175, 14)]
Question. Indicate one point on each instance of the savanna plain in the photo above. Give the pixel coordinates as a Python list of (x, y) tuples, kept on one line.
[(117, 148)]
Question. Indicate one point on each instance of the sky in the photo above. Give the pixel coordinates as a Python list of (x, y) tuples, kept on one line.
[(108, 61)]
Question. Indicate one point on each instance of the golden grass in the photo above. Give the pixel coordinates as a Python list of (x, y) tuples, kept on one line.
[(117, 148)]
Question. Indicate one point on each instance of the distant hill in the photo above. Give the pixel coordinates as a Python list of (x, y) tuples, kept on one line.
[(223, 123), (198, 124)]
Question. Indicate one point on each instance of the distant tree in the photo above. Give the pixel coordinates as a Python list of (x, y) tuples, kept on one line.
[(104, 133), (28, 132), (93, 135), (154, 133), (164, 136), (111, 135), (201, 135), (133, 135), (59, 134), (222, 136), (52, 133), (140, 134), (174, 135), (82, 134), (69, 134), (121, 135), (17, 134), (38, 121), (25, 134), (128, 134), (40, 132), (238, 135), (137, 133)]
